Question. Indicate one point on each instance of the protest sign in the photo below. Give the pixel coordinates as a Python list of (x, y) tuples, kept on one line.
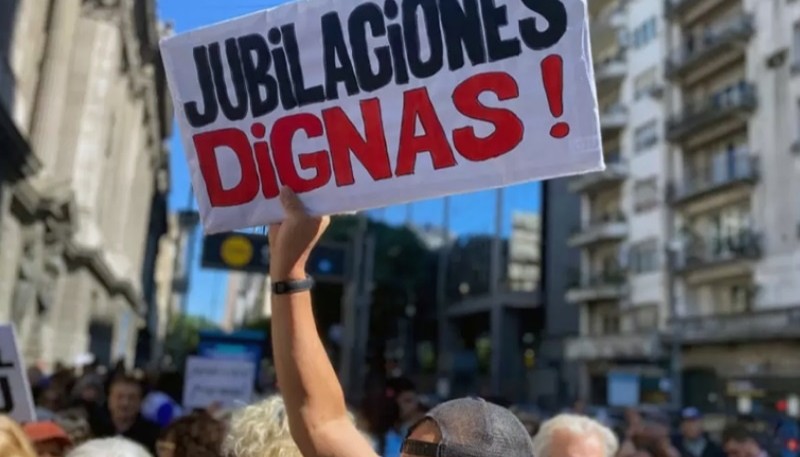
[(218, 381), (15, 393), (362, 104)]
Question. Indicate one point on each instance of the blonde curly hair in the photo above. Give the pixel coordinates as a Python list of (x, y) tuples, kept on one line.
[(13, 442), (260, 430)]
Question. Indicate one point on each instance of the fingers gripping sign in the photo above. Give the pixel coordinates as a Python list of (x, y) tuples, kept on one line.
[(291, 241)]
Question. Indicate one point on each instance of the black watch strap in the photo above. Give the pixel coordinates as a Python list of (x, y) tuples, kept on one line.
[(290, 287)]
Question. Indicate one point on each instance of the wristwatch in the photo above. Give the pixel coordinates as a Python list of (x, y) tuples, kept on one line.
[(290, 287)]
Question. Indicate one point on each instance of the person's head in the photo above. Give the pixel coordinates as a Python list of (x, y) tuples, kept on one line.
[(88, 389), (691, 423), (124, 398), (52, 397), (468, 427), (109, 447), (48, 438), (75, 423), (573, 435), (633, 417), (737, 441), (196, 435), (13, 442), (260, 430), (404, 393)]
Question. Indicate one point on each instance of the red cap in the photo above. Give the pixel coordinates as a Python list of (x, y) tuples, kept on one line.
[(39, 432)]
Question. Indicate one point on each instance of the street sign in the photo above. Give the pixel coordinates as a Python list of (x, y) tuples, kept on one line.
[(250, 253), (236, 251)]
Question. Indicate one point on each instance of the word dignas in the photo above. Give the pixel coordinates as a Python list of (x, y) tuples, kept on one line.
[(269, 161), (386, 45)]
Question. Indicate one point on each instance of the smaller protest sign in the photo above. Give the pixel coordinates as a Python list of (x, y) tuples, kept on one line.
[(216, 381), (15, 393)]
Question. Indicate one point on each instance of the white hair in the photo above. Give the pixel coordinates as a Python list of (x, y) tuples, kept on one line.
[(109, 447), (577, 425), (261, 430)]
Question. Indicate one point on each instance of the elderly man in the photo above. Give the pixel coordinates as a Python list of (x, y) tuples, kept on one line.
[(571, 435)]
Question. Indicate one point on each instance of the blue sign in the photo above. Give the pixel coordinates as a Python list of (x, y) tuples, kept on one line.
[(242, 345)]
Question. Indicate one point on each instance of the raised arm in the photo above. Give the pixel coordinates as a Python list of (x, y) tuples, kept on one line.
[(314, 399)]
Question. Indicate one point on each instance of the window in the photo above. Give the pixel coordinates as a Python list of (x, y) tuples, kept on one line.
[(644, 318), (645, 194), (644, 256), (644, 82), (645, 136), (644, 33)]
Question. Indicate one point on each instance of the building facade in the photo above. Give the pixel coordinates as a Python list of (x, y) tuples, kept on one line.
[(84, 117), (248, 299), (734, 195), (691, 233), (621, 283)]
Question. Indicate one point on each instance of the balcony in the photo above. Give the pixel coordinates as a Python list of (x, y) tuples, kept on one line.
[(609, 74), (613, 119), (609, 285), (615, 173), (760, 325), (717, 44), (740, 170), (677, 9), (708, 252), (614, 347), (604, 228), (732, 105), (605, 29)]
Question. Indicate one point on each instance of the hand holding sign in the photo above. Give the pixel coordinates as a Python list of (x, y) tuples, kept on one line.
[(291, 241), (358, 105)]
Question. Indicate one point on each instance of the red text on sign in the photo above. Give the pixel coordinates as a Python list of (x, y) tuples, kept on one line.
[(269, 163)]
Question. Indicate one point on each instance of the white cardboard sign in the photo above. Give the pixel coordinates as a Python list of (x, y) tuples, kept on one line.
[(362, 104), (218, 381), (15, 394)]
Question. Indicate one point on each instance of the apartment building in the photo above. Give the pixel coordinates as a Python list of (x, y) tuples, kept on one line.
[(692, 231), (248, 299), (734, 195), (83, 118), (620, 287)]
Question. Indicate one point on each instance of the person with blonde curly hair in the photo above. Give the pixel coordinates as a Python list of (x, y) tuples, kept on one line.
[(260, 430), (13, 442)]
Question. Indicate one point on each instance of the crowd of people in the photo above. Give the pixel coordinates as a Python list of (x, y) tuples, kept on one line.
[(100, 413)]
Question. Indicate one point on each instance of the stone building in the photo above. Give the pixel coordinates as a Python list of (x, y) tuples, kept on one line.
[(83, 174)]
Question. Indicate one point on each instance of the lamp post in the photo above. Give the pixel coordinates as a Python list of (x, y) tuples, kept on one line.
[(676, 332)]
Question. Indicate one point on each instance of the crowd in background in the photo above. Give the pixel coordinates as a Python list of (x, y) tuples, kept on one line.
[(97, 412)]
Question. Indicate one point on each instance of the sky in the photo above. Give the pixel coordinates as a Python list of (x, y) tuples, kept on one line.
[(469, 214)]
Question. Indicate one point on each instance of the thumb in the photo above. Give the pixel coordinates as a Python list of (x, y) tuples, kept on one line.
[(291, 203)]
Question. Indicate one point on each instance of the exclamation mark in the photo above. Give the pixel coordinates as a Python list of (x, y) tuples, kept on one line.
[(553, 78)]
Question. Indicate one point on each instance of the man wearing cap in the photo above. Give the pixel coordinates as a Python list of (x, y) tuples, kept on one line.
[(693, 440), (48, 438), (314, 399)]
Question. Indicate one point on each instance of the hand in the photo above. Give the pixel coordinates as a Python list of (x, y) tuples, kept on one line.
[(291, 241)]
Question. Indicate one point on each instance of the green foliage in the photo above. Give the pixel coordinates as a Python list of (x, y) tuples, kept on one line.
[(183, 336)]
